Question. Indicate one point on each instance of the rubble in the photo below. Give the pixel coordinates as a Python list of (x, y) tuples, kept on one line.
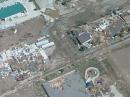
[(21, 57)]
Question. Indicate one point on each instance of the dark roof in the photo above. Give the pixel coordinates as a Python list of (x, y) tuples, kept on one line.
[(83, 36), (116, 28), (73, 86)]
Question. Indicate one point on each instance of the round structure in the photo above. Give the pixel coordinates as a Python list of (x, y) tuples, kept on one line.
[(92, 73)]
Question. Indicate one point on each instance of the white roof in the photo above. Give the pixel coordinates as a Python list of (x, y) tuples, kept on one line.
[(43, 54)]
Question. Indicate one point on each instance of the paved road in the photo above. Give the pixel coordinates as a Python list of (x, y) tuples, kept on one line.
[(90, 54)]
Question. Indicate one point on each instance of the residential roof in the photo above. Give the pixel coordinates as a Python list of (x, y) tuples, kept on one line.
[(116, 28), (73, 86), (83, 36)]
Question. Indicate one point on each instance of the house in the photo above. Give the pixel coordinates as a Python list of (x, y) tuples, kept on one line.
[(84, 38), (116, 28)]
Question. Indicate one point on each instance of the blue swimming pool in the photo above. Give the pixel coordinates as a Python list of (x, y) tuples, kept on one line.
[(11, 10)]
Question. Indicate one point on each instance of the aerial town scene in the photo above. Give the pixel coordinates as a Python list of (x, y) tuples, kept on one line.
[(64, 48)]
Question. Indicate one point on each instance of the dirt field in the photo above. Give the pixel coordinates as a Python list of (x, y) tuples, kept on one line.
[(25, 92), (95, 9), (121, 59), (33, 89), (26, 32), (7, 84)]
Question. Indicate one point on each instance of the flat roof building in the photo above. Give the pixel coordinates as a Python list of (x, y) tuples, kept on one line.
[(11, 10), (72, 86)]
